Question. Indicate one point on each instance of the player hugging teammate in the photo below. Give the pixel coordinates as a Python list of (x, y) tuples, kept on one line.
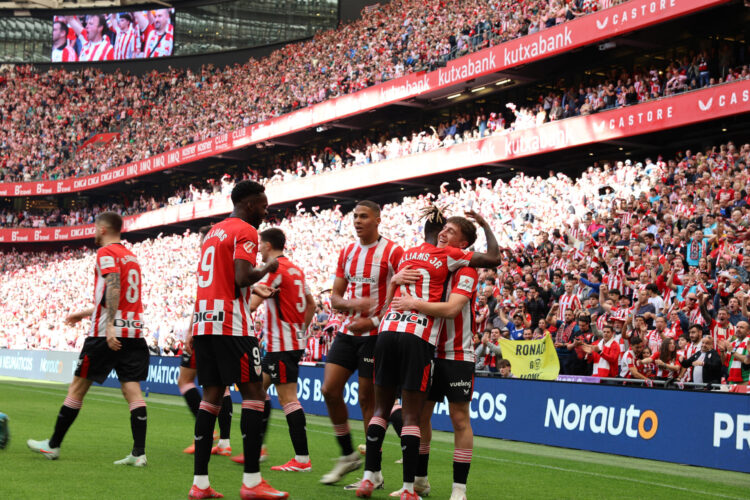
[(405, 349)]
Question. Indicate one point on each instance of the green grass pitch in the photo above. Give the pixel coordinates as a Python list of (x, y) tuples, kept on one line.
[(500, 469)]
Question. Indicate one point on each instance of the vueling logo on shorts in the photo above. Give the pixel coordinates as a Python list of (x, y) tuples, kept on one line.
[(406, 317), (208, 316), (601, 419)]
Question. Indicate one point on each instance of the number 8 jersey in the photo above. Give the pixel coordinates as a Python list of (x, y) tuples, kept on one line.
[(221, 307), (128, 323)]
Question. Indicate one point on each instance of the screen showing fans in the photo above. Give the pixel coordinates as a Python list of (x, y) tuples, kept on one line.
[(114, 36)]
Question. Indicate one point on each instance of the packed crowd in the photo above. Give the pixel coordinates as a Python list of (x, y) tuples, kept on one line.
[(595, 94), (48, 117), (648, 250), (79, 215)]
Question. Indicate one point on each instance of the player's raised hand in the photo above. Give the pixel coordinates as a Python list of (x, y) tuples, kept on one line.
[(112, 341), (404, 302), (471, 214), (406, 276)]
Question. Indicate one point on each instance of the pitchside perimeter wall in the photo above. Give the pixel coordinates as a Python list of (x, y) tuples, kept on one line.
[(696, 428)]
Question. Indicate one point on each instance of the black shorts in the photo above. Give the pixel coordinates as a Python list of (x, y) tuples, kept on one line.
[(403, 360), (452, 379), (97, 360), (225, 360), (283, 366), (353, 353), (188, 360)]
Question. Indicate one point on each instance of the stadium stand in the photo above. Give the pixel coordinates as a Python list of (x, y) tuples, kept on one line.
[(50, 116), (677, 226)]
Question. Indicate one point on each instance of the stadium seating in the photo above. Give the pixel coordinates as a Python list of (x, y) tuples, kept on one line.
[(662, 198), (48, 117)]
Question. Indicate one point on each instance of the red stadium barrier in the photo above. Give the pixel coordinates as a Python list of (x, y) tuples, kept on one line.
[(623, 18), (676, 111)]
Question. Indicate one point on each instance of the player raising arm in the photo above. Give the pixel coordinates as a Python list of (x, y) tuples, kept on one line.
[(114, 341), (406, 343)]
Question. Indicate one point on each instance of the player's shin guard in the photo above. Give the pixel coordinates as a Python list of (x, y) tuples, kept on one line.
[(344, 437), (204, 436), (410, 445), (295, 417), (461, 464), (396, 420), (375, 437), (252, 437), (66, 417), (266, 417), (424, 459), (192, 397), (225, 418), (138, 422)]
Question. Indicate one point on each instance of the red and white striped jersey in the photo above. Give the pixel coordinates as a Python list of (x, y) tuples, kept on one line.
[(602, 366), (96, 51), (690, 349), (736, 374), (66, 54), (627, 361), (456, 336), (568, 302), (285, 316), (434, 264), (720, 333), (483, 311), (158, 45), (127, 43), (317, 348), (368, 270), (128, 322), (654, 339), (222, 308)]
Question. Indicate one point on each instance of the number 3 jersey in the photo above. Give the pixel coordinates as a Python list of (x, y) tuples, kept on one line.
[(128, 322), (221, 307), (434, 264), (285, 311)]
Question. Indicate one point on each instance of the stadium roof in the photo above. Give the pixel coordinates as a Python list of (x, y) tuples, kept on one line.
[(21, 5)]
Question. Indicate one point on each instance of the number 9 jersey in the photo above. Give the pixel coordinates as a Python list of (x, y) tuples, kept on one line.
[(128, 322), (221, 307)]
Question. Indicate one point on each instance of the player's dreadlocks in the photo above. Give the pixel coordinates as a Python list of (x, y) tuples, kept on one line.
[(434, 220)]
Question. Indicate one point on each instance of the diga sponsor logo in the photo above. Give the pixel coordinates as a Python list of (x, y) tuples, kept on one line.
[(728, 426), (601, 419), (638, 12)]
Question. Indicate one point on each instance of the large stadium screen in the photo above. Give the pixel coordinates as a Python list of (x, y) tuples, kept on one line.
[(141, 34)]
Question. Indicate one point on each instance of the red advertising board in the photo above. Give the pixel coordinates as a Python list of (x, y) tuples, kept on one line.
[(677, 111), (593, 28)]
